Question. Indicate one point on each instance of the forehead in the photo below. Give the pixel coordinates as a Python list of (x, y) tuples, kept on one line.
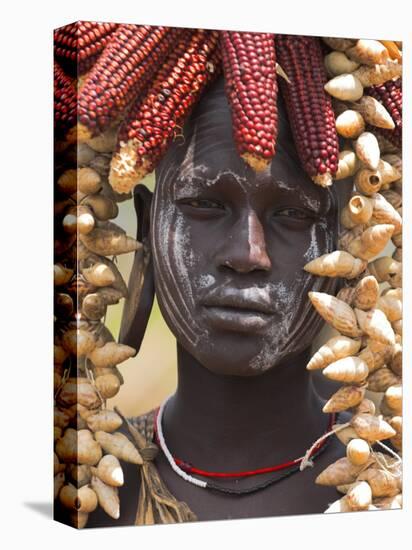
[(207, 157)]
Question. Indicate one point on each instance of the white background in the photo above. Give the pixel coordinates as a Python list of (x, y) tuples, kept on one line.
[(26, 273)]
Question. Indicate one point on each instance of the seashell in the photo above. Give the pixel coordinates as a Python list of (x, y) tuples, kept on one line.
[(372, 241), (359, 496), (336, 264), (367, 150), (110, 354), (382, 353), (388, 173), (340, 44), (389, 503), (344, 488), (351, 370), (59, 481), (346, 294), (78, 390), (395, 161), (383, 212), (368, 181), (382, 379), (120, 446), (374, 112), (384, 268), (365, 406), (358, 451), (366, 293), (104, 420), (335, 312), (337, 63), (348, 164), (344, 398), (78, 447), (397, 327), (81, 500), (395, 363), (350, 124), (107, 496), (346, 434), (396, 423), (83, 156), (368, 357), (93, 306), (393, 398), (61, 418), (108, 385), (371, 428), (57, 467), (78, 342), (99, 275), (368, 52), (350, 235), (110, 471), (392, 307), (378, 74), (375, 324), (340, 472), (104, 142), (59, 355), (394, 49), (397, 242), (88, 181), (62, 275), (101, 371), (358, 211), (334, 349), (67, 182), (340, 505), (346, 87), (80, 474), (382, 483), (394, 198)]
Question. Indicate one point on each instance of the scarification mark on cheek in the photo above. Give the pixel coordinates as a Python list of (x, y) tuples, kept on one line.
[(164, 216)]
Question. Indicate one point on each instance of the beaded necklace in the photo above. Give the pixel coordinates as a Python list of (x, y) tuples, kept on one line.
[(184, 470)]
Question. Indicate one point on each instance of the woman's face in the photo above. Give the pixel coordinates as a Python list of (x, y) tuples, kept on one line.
[(229, 246)]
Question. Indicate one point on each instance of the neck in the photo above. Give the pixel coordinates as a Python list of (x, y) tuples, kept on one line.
[(233, 422)]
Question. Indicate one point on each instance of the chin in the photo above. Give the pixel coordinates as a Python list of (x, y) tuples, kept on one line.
[(238, 357)]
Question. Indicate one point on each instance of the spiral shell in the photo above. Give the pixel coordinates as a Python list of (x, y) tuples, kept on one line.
[(337, 313), (334, 349)]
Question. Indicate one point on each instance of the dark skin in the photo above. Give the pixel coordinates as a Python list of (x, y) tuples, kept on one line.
[(229, 247)]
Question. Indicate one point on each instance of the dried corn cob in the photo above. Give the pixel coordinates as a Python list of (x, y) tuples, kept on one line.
[(151, 123), (249, 65), (390, 95), (309, 107), (77, 46), (130, 60), (65, 101)]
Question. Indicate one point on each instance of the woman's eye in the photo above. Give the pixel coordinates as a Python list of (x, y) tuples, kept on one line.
[(202, 203), (295, 213)]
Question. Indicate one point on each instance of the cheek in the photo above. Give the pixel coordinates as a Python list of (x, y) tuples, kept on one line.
[(173, 262)]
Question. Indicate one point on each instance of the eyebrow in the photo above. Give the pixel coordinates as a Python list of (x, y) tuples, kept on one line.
[(194, 182)]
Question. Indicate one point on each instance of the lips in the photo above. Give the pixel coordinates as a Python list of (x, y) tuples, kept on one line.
[(241, 310)]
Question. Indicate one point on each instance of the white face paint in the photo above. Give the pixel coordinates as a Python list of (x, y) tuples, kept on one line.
[(190, 252)]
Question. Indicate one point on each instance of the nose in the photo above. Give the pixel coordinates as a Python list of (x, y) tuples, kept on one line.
[(244, 250)]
